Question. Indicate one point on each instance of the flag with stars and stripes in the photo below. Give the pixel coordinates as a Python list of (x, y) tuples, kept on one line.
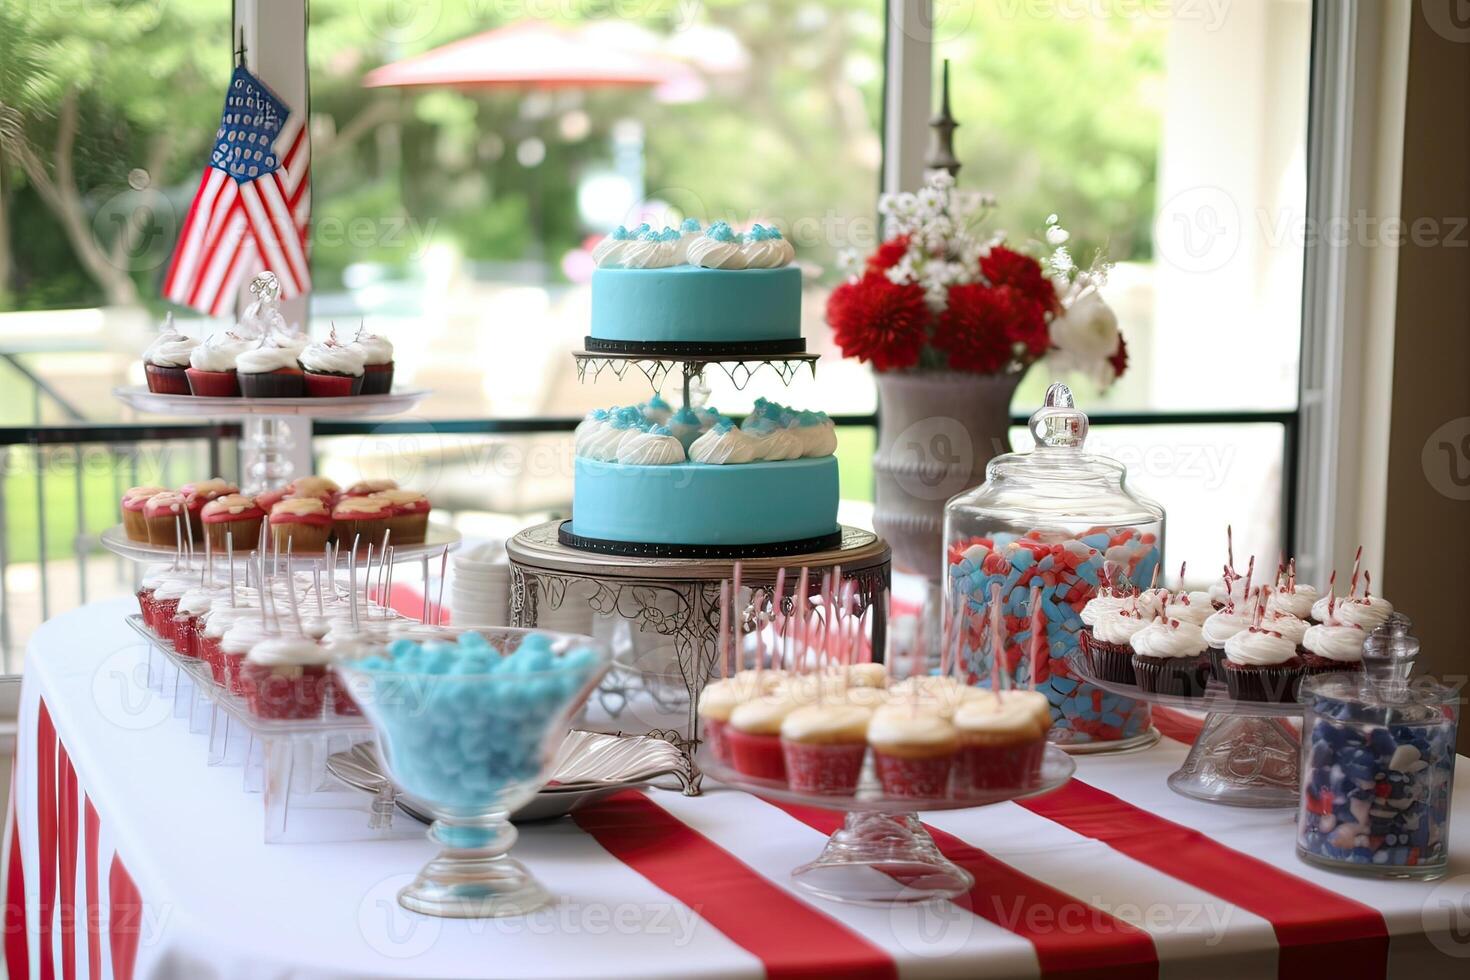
[(253, 205)]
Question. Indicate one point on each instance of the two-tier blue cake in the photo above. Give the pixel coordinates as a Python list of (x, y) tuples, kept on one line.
[(654, 480)]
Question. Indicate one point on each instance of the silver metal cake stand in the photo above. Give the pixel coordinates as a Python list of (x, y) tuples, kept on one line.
[(1247, 754), (678, 599), (657, 368)]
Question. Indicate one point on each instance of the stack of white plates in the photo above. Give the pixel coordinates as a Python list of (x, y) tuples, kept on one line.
[(479, 589)]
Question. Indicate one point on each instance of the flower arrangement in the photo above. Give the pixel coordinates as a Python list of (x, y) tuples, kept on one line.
[(936, 295)]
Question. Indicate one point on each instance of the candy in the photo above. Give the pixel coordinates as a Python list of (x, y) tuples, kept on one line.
[(1068, 572)]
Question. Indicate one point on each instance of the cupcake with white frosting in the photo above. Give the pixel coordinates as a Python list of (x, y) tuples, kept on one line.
[(655, 446), (722, 444), (166, 360), (377, 362), (1295, 599), (823, 746), (1218, 629), (1002, 739), (1261, 665), (270, 371), (211, 370), (913, 750), (753, 735), (1169, 658), (333, 370), (286, 677), (1189, 607), (1108, 647), (1331, 647)]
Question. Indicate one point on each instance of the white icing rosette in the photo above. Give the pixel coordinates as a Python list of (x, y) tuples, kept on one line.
[(771, 442), (595, 422), (817, 433), (331, 357), (723, 444), (718, 248), (171, 348), (764, 248), (219, 352), (656, 447), (689, 231)]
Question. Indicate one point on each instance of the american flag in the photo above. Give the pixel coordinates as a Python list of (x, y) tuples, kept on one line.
[(252, 207)]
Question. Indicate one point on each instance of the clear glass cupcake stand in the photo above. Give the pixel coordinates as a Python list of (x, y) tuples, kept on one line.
[(268, 425), (438, 538), (882, 854), (1247, 754)]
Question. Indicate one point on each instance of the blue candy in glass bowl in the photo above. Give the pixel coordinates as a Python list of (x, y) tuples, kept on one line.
[(468, 725)]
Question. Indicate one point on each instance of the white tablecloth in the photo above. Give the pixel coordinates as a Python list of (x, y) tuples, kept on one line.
[(117, 816)]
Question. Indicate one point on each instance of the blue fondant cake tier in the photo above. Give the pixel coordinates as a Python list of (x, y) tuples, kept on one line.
[(705, 504), (688, 304)]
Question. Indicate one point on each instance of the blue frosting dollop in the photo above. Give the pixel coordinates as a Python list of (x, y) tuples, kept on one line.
[(656, 402), (720, 232), (628, 418), (684, 416), (621, 234), (689, 225)]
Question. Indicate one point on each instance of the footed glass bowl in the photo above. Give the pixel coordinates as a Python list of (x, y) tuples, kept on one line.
[(470, 730)]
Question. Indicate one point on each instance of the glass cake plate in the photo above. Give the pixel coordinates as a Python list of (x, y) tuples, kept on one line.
[(352, 406), (881, 854), (1247, 754), (436, 539)]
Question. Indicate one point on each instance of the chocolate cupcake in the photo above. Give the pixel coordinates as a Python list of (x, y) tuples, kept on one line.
[(1261, 666), (1169, 658), (1329, 648), (1217, 630), (377, 361), (166, 361), (270, 372), (1107, 645)]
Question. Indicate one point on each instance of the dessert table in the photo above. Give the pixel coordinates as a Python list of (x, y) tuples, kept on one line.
[(127, 856)]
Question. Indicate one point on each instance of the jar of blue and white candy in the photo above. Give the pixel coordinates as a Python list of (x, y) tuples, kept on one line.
[(1378, 770), (1063, 522)]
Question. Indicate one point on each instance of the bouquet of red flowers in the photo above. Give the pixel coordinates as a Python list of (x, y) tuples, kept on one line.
[(935, 296)]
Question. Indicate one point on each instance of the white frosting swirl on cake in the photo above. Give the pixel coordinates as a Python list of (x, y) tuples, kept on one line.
[(1341, 643), (764, 248), (1366, 613), (601, 442), (1097, 606), (1174, 640), (1259, 648), (656, 447), (817, 433), (718, 248), (649, 251), (723, 444), (596, 421), (772, 443)]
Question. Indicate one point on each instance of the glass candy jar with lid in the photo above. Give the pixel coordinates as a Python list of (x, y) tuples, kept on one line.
[(1063, 520)]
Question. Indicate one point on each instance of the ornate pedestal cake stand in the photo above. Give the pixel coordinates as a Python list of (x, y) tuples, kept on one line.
[(680, 598), (1248, 753)]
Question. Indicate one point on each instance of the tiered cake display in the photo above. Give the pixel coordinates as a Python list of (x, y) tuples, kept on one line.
[(689, 483)]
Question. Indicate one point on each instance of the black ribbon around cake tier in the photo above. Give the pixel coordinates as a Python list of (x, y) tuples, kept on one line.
[(699, 552), (710, 349)]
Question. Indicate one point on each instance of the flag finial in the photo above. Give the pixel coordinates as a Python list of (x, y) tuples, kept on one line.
[(941, 140)]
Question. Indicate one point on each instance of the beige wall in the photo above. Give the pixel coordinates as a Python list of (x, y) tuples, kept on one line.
[(1427, 529)]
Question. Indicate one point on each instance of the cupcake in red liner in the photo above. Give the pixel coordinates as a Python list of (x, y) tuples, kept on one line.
[(1217, 629), (163, 514), (1261, 666), (1002, 739), (1169, 658), (302, 524), (197, 495), (233, 517), (286, 678), (753, 736), (362, 520), (212, 372), (236, 643), (268, 371), (1332, 647), (221, 617), (166, 605), (135, 525), (913, 750), (366, 488), (166, 361), (193, 605), (716, 703), (823, 746), (410, 521), (333, 370), (1107, 645), (377, 361)]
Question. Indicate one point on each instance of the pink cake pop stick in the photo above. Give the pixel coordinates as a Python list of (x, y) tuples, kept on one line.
[(1367, 584), (803, 596), (887, 619), (1250, 571), (1038, 627), (778, 615), (996, 647), (1353, 584), (1229, 549), (737, 624), (757, 603), (724, 643)]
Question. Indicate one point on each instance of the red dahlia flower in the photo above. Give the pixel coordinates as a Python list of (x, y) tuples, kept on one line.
[(982, 324), (1004, 267), (888, 254), (877, 320)]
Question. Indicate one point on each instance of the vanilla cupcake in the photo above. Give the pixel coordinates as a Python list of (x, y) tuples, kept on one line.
[(1002, 740), (823, 746), (913, 750), (753, 735), (377, 362)]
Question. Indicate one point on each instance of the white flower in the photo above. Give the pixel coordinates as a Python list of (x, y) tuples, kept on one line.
[(1084, 337)]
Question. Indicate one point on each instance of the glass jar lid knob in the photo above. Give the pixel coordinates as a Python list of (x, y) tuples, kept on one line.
[(1057, 423)]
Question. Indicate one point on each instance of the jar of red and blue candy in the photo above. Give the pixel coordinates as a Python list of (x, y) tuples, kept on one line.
[(1064, 522), (1378, 773)]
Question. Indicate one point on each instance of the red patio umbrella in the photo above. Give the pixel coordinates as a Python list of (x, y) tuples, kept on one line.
[(528, 54)]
